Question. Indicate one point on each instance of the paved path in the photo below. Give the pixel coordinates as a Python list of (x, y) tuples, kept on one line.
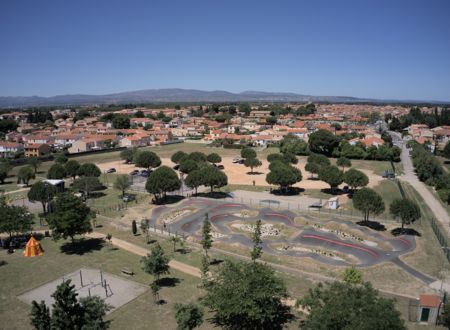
[(133, 248), (410, 177)]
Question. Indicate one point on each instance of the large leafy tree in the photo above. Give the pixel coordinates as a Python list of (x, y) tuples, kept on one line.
[(214, 178), (197, 156), (87, 184), (178, 156), (323, 142), (312, 168), (56, 171), (4, 171), (252, 163), (294, 145), (69, 312), (162, 180), (214, 158), (331, 175), (188, 316), (89, 169), (248, 152), (121, 122), (194, 180), (188, 165), (283, 175), (14, 219), (156, 263), (25, 174), (128, 154), (122, 183), (70, 217), (35, 163), (406, 210), (42, 192), (247, 296), (318, 159), (343, 162), (368, 201), (346, 306), (355, 178), (72, 167), (147, 159), (60, 158)]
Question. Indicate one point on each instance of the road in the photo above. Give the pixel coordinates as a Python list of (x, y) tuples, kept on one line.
[(410, 177)]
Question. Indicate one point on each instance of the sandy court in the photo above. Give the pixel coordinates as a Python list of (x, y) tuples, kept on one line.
[(237, 173)]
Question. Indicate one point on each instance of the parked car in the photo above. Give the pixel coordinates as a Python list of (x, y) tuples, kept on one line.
[(128, 198), (389, 175), (176, 167), (220, 167), (241, 161), (111, 170), (145, 174), (236, 160), (346, 189), (134, 172)]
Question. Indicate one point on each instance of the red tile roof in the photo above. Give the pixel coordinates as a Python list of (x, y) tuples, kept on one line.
[(429, 300)]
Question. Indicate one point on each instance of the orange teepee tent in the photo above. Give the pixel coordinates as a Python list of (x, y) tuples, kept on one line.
[(33, 248)]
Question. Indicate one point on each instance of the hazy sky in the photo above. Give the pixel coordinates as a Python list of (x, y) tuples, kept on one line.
[(365, 48)]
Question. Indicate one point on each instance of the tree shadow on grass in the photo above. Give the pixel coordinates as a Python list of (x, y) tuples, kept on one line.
[(161, 302), (82, 246), (372, 225), (169, 199), (334, 192), (254, 173), (215, 262), (214, 194), (405, 231), (6, 182), (292, 191), (168, 282), (96, 194)]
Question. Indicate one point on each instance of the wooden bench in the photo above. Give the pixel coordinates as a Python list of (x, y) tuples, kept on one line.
[(127, 271)]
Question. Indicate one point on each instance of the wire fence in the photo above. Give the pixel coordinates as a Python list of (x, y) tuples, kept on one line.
[(114, 208)]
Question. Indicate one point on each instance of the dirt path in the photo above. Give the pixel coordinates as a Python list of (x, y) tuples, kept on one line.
[(130, 247)]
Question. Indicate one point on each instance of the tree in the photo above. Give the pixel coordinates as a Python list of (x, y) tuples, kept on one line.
[(247, 296), (245, 108), (368, 201), (72, 167), (323, 142), (188, 316), (445, 316), (14, 219), (70, 217), (197, 156), (121, 122), (355, 179), (252, 163), (122, 183), (175, 240), (320, 160), (214, 158), (128, 154), (42, 192), (56, 172), (346, 306), (40, 316), (35, 163), (352, 275), (331, 175), (70, 313), (214, 178), (178, 156), (406, 210), (188, 165), (87, 184), (162, 180), (257, 242), (204, 271), (194, 180), (156, 263), (446, 151), (248, 153), (312, 168), (4, 171), (207, 240), (343, 162), (60, 158), (146, 159), (89, 169), (26, 173), (283, 175), (271, 120), (155, 291)]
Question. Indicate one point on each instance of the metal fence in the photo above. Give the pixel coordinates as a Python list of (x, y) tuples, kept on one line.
[(441, 237)]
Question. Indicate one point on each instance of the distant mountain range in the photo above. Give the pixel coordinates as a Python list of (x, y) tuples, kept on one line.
[(172, 95)]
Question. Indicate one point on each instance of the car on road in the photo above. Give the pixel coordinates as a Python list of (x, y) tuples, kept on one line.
[(128, 198), (145, 173), (389, 175), (236, 160), (220, 167), (111, 170), (134, 172)]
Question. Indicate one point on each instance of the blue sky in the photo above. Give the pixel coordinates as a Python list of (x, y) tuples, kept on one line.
[(365, 48)]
